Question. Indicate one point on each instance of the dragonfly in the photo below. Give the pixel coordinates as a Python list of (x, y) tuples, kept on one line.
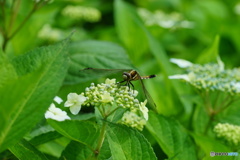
[(128, 75)]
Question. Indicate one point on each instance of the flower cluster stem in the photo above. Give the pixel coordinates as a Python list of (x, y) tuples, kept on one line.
[(101, 138)]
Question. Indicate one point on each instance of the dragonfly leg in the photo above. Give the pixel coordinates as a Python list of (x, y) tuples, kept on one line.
[(129, 82), (121, 82)]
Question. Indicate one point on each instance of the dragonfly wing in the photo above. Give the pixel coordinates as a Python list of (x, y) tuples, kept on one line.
[(94, 73), (147, 95)]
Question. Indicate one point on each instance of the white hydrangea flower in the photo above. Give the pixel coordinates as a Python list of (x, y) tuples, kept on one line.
[(110, 81), (144, 109), (236, 85), (58, 100), (180, 76), (75, 101), (56, 113), (106, 97), (181, 62)]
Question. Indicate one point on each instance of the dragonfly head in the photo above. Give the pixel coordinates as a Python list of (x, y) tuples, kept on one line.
[(126, 76)]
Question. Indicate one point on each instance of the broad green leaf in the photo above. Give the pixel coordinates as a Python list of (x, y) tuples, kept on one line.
[(127, 25), (95, 54), (171, 137), (54, 148), (126, 143), (76, 151), (25, 151), (85, 132), (25, 99), (210, 145), (7, 71), (46, 137), (105, 152), (210, 54)]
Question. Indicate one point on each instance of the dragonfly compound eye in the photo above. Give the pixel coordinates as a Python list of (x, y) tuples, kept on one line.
[(126, 76)]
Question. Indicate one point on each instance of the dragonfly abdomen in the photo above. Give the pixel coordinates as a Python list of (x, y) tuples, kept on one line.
[(148, 77)]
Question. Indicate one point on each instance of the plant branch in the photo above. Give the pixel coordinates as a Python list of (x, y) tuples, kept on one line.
[(226, 106), (2, 4), (35, 7), (101, 138), (15, 10), (215, 102), (107, 115), (209, 123)]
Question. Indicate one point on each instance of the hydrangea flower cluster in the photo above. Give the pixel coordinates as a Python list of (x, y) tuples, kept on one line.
[(210, 76), (164, 20), (229, 132), (82, 13), (109, 93)]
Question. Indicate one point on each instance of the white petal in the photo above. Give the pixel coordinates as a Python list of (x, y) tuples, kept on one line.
[(49, 114), (72, 96), (181, 62), (56, 114), (52, 107), (236, 85), (180, 76), (58, 99), (75, 109), (68, 104), (220, 63), (81, 99)]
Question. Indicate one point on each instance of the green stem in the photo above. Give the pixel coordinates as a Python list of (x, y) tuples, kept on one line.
[(226, 106), (35, 7), (9, 36), (216, 100), (209, 123), (2, 4), (107, 115), (101, 138), (15, 11)]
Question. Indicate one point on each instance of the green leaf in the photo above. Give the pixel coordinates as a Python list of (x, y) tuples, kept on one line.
[(95, 54), (210, 54), (85, 132), (25, 98), (24, 150), (210, 145), (7, 71), (76, 151), (46, 137), (127, 25), (171, 137), (126, 143)]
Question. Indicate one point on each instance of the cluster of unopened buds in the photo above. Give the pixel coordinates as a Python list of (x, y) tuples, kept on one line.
[(108, 95), (209, 77), (82, 13), (229, 132)]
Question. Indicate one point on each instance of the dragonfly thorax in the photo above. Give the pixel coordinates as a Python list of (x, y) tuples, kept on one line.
[(130, 76)]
